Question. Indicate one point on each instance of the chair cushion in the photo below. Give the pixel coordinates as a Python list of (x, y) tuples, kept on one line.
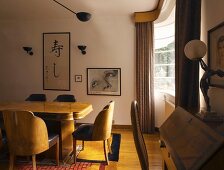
[(52, 139), (83, 132)]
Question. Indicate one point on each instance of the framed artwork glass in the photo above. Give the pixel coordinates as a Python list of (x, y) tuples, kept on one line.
[(56, 61), (104, 81), (216, 53)]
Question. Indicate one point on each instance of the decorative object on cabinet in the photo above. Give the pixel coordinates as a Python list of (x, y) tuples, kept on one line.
[(104, 81), (82, 16), (216, 53), (56, 61), (82, 48), (196, 50), (78, 78), (28, 50)]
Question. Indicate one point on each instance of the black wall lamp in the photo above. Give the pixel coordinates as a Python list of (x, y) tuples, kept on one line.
[(28, 50), (82, 48), (82, 16)]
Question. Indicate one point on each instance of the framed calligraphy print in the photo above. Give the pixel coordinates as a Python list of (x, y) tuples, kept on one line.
[(56, 61)]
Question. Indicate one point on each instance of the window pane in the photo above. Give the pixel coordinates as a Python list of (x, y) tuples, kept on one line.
[(164, 56)]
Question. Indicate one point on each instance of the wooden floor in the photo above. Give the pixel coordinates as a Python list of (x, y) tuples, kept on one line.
[(128, 159)]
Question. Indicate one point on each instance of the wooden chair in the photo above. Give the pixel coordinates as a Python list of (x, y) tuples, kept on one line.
[(27, 136), (100, 130), (37, 97), (138, 137), (65, 98)]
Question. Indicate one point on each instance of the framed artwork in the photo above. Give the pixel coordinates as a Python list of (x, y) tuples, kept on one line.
[(78, 78), (56, 61), (216, 53), (104, 81)]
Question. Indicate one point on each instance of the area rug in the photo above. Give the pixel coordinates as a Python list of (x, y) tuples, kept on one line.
[(81, 163)]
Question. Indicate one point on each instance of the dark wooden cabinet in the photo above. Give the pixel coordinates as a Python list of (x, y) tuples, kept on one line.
[(189, 143)]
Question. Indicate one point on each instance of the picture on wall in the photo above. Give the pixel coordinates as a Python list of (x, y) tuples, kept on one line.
[(56, 61), (104, 81), (216, 53)]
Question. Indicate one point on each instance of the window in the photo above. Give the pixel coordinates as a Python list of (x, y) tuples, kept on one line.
[(164, 56)]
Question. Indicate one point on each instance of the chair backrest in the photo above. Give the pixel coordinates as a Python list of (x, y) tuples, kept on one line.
[(138, 137), (65, 98), (26, 133), (103, 123), (37, 97)]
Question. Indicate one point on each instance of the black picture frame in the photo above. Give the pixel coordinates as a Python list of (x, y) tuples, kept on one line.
[(56, 61), (104, 81)]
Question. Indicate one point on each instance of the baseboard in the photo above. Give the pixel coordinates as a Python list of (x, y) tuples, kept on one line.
[(123, 127)]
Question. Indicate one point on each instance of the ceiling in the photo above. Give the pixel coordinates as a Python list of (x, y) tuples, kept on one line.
[(48, 9)]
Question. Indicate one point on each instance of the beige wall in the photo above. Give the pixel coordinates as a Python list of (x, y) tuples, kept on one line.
[(212, 15), (110, 43)]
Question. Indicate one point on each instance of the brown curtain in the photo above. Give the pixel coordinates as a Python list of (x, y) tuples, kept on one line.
[(188, 19), (144, 75)]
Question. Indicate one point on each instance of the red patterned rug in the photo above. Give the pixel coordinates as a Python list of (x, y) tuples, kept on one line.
[(77, 166)]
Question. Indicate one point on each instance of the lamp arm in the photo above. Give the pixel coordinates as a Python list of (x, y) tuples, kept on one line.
[(203, 65), (64, 6)]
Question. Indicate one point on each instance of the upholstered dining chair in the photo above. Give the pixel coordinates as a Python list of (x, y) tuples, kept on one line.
[(37, 97), (65, 98), (100, 130), (27, 135), (138, 137)]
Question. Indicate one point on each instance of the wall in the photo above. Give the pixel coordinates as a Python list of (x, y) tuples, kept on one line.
[(110, 43), (212, 15)]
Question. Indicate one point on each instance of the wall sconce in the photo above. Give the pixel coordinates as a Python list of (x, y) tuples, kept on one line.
[(28, 50), (82, 48)]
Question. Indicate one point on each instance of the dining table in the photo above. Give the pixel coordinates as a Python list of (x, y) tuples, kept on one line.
[(58, 116)]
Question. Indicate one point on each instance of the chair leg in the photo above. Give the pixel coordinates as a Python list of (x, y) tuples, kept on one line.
[(109, 145), (11, 161), (57, 152), (34, 162), (74, 150), (105, 152), (82, 145)]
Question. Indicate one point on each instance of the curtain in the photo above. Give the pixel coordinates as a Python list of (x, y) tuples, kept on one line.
[(187, 27), (144, 75)]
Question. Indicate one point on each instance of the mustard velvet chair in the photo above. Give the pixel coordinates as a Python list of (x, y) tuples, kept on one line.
[(138, 137), (27, 135), (100, 130), (37, 97)]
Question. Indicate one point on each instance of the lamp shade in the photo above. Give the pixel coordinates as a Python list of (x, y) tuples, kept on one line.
[(195, 49), (83, 16)]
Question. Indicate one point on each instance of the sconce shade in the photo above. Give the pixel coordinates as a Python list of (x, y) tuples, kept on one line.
[(28, 50), (82, 47), (195, 49), (83, 16)]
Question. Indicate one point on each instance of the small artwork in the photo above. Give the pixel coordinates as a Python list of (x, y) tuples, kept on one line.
[(104, 81), (216, 53), (78, 78), (56, 61)]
